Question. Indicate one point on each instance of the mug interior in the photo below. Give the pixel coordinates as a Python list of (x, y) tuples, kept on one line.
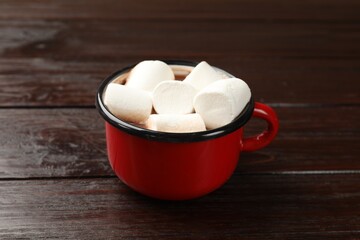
[(180, 67)]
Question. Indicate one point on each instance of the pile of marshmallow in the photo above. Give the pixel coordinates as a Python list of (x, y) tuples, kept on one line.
[(152, 98)]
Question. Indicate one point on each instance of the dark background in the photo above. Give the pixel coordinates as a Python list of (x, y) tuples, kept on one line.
[(301, 57)]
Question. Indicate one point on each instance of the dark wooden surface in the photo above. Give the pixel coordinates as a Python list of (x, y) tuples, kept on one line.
[(248, 206), (301, 57)]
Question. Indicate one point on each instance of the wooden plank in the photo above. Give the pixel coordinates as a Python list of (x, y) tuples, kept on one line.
[(309, 139), (71, 142), (99, 40), (199, 9), (52, 142), (48, 82), (247, 207), (44, 63), (303, 155), (314, 123)]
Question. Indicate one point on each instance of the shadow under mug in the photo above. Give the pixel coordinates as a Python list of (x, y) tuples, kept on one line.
[(180, 166)]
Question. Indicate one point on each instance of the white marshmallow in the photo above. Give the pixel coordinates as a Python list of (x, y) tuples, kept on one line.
[(176, 123), (222, 101), (174, 97), (202, 75), (147, 74), (128, 104)]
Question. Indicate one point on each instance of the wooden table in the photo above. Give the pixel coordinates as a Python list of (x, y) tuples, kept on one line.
[(301, 57)]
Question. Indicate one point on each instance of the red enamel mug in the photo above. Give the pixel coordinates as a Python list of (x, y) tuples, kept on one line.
[(180, 166)]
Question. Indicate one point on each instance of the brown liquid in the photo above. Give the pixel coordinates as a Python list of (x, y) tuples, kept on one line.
[(180, 77)]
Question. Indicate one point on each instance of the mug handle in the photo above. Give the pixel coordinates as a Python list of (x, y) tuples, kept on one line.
[(261, 140)]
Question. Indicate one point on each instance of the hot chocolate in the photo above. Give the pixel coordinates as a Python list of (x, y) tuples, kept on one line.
[(176, 90)]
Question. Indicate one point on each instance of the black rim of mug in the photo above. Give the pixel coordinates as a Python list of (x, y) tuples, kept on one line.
[(237, 123)]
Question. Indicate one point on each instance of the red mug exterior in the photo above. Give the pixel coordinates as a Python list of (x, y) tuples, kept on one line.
[(166, 167)]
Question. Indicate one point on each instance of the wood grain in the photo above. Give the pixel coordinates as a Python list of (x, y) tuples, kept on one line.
[(247, 207), (47, 82), (45, 63), (302, 57), (99, 40), (51, 142), (71, 142), (321, 10)]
